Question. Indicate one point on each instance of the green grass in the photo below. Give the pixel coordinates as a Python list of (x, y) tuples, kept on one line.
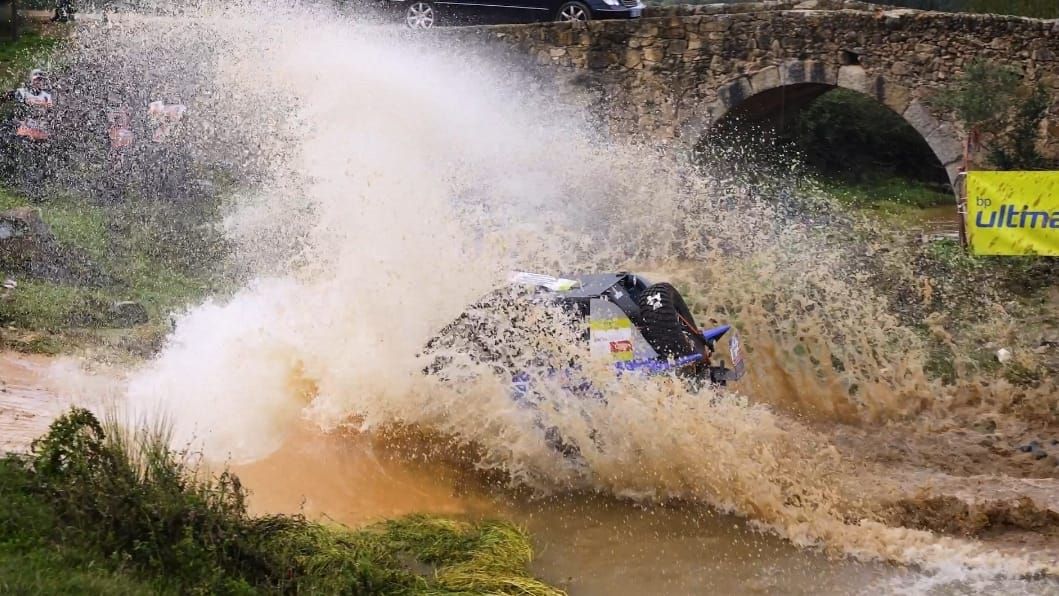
[(141, 252), (30, 50), (97, 510), (39, 305), (890, 194)]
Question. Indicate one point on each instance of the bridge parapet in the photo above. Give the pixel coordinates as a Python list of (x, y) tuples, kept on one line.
[(676, 75)]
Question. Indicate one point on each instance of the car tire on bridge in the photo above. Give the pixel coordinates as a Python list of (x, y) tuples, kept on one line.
[(572, 12), (420, 15)]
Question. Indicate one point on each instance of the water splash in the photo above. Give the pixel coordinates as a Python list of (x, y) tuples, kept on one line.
[(394, 179)]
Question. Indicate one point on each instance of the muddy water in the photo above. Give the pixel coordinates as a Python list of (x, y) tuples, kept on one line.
[(942, 219), (586, 544), (27, 404), (591, 543)]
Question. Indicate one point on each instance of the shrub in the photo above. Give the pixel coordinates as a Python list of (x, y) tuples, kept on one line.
[(100, 507)]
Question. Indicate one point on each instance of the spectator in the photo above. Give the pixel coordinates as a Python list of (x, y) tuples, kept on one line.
[(33, 102), (120, 131), (26, 134), (64, 11), (164, 116), (38, 92)]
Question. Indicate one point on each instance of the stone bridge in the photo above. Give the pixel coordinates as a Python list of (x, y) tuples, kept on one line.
[(676, 72)]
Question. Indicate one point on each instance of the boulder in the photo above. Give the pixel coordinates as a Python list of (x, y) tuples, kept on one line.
[(27, 244), (23, 222), (28, 247), (127, 314)]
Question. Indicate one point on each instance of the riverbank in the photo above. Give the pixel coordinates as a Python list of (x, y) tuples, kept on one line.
[(97, 509), (128, 280)]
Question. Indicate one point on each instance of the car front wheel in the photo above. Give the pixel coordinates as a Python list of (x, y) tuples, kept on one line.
[(420, 15), (573, 12)]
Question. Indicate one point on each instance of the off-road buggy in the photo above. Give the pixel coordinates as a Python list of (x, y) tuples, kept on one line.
[(636, 326), (535, 331)]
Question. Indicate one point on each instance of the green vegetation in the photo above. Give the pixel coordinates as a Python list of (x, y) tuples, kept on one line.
[(852, 137), (18, 57), (1018, 151), (1042, 9), (858, 150), (982, 97), (995, 100), (144, 252), (95, 510), (889, 194)]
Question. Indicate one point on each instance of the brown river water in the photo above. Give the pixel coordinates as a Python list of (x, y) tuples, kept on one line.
[(584, 543), (593, 543)]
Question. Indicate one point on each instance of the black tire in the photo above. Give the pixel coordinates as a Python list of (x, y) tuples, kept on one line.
[(573, 12), (420, 14), (667, 323)]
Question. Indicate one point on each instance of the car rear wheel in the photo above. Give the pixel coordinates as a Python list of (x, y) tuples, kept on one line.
[(667, 323), (573, 12), (420, 15)]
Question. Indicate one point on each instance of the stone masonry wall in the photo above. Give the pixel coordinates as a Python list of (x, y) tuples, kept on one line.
[(673, 76)]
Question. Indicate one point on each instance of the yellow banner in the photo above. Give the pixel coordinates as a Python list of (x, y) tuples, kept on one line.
[(1013, 213)]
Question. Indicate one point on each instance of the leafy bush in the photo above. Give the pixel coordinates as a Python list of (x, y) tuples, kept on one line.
[(982, 96), (851, 135), (1019, 151), (101, 511), (994, 99)]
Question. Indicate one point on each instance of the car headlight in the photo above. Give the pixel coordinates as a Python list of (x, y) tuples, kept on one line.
[(612, 2)]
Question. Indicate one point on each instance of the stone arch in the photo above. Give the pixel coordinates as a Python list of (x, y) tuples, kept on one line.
[(804, 76)]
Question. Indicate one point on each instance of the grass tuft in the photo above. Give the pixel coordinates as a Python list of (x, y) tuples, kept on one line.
[(97, 509)]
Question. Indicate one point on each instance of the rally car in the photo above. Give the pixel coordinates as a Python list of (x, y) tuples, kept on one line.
[(535, 330), (627, 322)]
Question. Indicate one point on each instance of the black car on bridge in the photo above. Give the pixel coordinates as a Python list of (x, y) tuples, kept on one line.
[(424, 14)]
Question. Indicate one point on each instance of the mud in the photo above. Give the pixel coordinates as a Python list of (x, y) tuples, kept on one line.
[(599, 544), (27, 404)]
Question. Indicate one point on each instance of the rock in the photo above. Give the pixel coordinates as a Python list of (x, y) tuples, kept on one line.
[(946, 143), (765, 79), (653, 54), (632, 59), (23, 222), (127, 314), (985, 426), (1003, 355), (1028, 447), (28, 246), (1034, 449), (853, 77), (901, 68), (1043, 55), (920, 118)]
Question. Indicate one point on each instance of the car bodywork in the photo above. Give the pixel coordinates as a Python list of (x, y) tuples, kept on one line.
[(605, 308), (608, 302), (606, 311)]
